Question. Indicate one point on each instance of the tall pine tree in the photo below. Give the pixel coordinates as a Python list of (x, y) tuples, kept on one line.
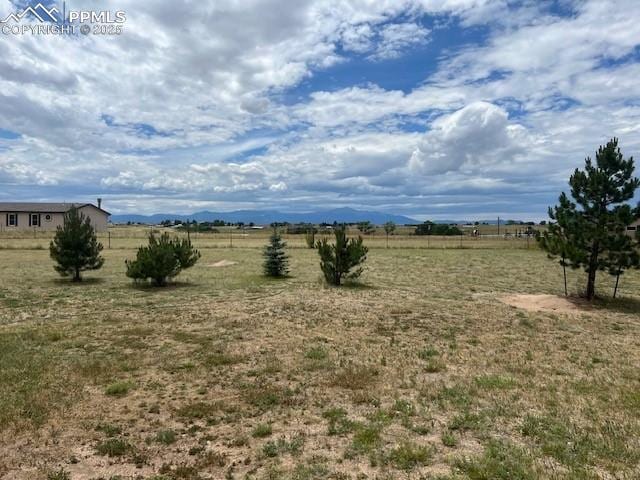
[(276, 260), (590, 230), (75, 247)]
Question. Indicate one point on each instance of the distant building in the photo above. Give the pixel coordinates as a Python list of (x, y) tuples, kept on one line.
[(47, 216), (634, 227)]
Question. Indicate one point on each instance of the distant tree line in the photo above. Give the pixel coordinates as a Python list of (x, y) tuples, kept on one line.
[(430, 228)]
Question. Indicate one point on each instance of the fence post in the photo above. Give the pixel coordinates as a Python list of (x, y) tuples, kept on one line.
[(109, 238)]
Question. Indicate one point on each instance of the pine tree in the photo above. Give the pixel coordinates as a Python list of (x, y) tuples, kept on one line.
[(276, 260), (75, 247), (338, 260), (162, 259), (590, 229)]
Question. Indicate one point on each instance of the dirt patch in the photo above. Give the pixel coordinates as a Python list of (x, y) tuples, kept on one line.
[(222, 263), (547, 303)]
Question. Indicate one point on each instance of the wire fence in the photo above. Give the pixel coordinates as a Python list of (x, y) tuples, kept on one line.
[(231, 237)]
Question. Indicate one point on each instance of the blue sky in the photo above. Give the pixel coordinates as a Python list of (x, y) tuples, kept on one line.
[(429, 108)]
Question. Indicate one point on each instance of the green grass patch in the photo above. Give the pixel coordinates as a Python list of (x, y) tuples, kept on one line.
[(367, 438), (500, 461), (449, 439), (604, 443), (339, 423), (467, 420), (118, 389), (316, 353), (198, 410), (409, 455), (293, 446), (495, 382), (262, 430), (428, 353), (113, 447)]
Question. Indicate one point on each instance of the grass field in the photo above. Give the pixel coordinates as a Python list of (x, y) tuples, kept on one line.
[(421, 371)]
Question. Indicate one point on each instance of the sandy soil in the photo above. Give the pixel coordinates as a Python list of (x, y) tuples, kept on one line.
[(547, 303), (222, 263)]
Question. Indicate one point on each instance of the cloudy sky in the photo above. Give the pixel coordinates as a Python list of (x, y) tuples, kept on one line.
[(430, 108)]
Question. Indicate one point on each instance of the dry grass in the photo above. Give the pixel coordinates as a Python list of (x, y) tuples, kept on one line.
[(420, 372), (127, 237)]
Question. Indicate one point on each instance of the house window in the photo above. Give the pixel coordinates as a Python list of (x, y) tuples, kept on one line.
[(632, 229), (34, 220), (12, 219)]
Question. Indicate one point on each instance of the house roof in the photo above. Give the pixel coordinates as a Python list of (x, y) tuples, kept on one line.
[(43, 207)]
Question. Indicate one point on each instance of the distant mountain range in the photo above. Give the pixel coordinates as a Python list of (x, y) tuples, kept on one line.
[(266, 217)]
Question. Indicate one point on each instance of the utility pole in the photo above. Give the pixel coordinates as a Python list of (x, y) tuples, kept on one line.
[(498, 226)]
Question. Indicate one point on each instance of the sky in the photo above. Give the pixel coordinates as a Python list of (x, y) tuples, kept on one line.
[(435, 109)]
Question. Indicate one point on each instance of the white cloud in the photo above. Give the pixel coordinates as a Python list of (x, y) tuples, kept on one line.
[(477, 135), (397, 37)]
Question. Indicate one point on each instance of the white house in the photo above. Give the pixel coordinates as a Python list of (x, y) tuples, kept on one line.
[(47, 216)]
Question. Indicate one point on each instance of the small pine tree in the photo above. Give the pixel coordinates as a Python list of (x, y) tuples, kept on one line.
[(75, 247), (389, 228), (276, 260), (338, 261), (164, 258)]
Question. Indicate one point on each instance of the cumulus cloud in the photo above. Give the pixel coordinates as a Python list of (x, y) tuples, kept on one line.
[(477, 135)]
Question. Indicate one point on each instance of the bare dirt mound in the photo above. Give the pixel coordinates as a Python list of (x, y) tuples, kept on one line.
[(222, 263), (547, 303)]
